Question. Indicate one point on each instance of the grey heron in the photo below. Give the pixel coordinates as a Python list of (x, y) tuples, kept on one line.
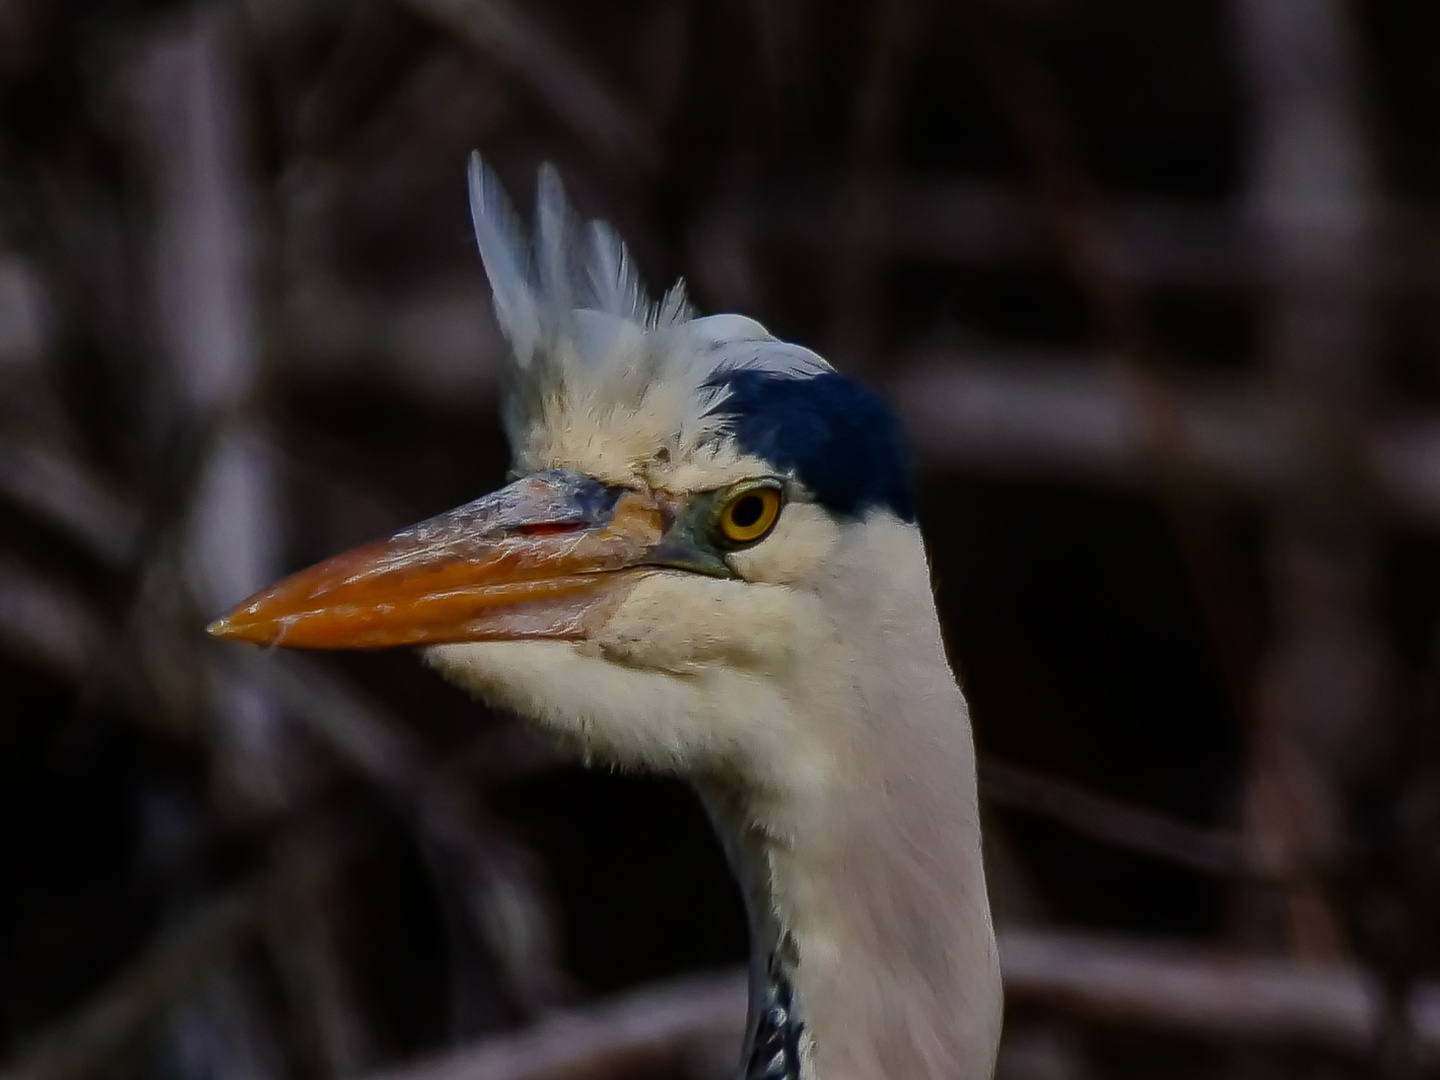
[(708, 565)]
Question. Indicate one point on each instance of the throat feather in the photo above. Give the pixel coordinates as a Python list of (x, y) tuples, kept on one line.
[(777, 1038)]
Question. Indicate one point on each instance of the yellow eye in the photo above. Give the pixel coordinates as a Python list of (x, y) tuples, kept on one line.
[(750, 515)]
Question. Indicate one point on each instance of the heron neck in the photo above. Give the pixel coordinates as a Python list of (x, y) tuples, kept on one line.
[(871, 935)]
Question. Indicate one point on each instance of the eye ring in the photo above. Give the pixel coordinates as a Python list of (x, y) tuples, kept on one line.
[(749, 514)]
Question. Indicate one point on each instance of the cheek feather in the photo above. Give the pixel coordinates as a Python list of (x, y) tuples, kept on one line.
[(795, 553), (682, 623)]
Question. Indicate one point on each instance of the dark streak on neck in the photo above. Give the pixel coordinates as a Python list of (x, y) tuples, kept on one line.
[(773, 1052)]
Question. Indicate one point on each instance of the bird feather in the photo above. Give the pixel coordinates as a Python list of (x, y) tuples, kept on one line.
[(588, 345)]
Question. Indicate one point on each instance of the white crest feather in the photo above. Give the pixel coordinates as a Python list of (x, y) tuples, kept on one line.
[(594, 360)]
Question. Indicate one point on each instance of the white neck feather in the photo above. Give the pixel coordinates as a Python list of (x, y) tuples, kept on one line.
[(870, 881)]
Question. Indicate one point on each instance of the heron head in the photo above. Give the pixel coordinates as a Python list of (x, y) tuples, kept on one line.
[(688, 495)]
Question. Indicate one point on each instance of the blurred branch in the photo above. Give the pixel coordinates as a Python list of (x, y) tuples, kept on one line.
[(1181, 988), (1177, 988), (516, 917), (170, 973), (66, 493), (559, 78), (1112, 822), (1029, 414), (896, 32), (1322, 696), (1148, 242), (302, 937), (48, 621), (659, 1024), (1043, 127)]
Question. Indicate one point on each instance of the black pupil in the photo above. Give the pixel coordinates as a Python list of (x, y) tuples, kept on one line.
[(747, 511)]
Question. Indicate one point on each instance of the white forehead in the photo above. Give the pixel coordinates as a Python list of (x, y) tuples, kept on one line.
[(600, 378), (659, 440)]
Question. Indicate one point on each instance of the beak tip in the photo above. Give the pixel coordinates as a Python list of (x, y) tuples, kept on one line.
[(221, 628)]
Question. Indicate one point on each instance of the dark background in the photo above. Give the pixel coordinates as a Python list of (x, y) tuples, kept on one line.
[(1151, 285)]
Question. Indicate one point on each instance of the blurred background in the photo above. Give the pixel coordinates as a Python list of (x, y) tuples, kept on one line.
[(1153, 289)]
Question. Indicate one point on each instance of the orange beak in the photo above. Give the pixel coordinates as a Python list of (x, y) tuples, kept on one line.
[(550, 556)]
